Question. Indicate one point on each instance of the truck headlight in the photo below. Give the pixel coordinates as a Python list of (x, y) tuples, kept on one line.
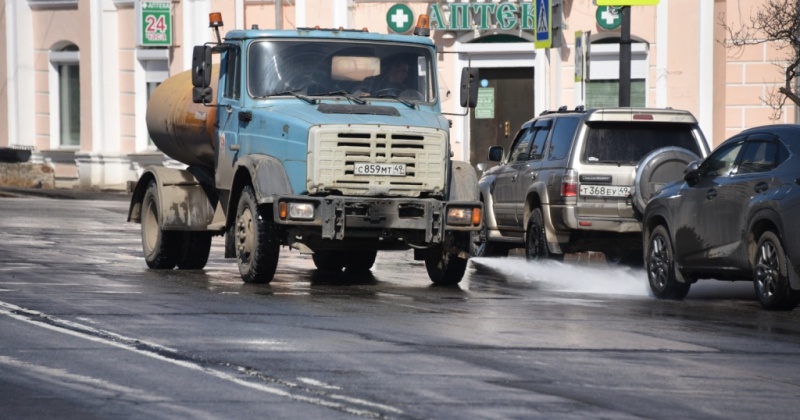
[(464, 216), (296, 211)]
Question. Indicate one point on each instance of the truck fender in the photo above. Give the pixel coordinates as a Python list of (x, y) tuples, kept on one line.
[(463, 182), (267, 175), (183, 203)]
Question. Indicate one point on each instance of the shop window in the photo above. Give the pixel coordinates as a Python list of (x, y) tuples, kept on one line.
[(602, 84)]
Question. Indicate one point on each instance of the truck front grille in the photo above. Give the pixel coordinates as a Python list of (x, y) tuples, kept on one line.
[(334, 152)]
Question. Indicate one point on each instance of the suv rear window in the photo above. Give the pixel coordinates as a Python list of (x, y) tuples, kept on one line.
[(629, 142)]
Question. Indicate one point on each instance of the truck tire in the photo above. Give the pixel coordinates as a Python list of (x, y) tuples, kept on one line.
[(160, 247), (444, 269), (328, 260), (196, 248), (359, 261), (257, 245)]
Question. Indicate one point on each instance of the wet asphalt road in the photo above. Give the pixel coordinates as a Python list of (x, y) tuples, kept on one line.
[(86, 331)]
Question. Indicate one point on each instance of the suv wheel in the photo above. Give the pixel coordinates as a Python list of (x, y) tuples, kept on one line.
[(535, 238), (660, 263), (770, 275)]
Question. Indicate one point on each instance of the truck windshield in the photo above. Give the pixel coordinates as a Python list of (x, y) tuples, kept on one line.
[(336, 68)]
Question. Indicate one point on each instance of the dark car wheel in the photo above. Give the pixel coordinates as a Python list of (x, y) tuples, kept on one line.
[(770, 275), (661, 268), (536, 240)]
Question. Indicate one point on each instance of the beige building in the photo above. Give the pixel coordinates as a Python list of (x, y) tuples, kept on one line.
[(77, 81)]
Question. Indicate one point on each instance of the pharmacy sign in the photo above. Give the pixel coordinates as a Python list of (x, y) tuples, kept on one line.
[(400, 18), (154, 23)]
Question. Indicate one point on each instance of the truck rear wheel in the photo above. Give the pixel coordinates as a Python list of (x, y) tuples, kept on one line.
[(196, 248), (160, 247), (257, 246)]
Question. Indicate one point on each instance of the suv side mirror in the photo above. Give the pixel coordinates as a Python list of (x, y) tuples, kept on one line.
[(495, 153), (692, 173), (201, 74), (469, 87)]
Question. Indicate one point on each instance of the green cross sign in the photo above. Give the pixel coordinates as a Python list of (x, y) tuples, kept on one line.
[(608, 17), (400, 18)]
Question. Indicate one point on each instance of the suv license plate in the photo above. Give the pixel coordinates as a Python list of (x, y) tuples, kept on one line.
[(381, 169), (605, 190)]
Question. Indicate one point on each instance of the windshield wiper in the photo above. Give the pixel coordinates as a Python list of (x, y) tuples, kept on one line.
[(303, 98), (398, 99), (346, 94)]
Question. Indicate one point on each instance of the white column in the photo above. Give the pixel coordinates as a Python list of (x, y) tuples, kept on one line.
[(662, 56), (341, 13), (20, 87), (705, 64), (300, 13), (104, 62), (541, 82), (239, 11), (195, 28)]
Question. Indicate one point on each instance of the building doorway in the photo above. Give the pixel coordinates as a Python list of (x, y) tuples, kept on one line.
[(505, 103)]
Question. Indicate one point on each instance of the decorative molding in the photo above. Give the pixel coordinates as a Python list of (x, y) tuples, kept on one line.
[(52, 4)]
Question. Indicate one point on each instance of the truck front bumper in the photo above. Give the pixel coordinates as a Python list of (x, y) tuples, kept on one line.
[(339, 217)]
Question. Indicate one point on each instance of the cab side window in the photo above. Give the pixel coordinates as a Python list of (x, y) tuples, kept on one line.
[(759, 156), (232, 73)]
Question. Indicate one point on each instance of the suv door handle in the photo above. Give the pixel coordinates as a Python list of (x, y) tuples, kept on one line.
[(761, 187), (513, 178), (534, 175), (711, 194)]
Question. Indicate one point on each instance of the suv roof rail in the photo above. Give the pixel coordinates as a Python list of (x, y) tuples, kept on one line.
[(564, 109)]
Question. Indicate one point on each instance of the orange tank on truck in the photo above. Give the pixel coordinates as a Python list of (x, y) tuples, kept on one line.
[(182, 129), (330, 142)]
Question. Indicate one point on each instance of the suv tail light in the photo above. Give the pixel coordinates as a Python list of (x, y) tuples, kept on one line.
[(569, 183)]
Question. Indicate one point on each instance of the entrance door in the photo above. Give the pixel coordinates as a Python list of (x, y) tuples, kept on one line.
[(498, 118)]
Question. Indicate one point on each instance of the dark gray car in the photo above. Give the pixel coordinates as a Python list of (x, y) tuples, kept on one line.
[(735, 216)]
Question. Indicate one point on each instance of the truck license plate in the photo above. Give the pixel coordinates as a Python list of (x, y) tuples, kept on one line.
[(605, 190), (383, 169)]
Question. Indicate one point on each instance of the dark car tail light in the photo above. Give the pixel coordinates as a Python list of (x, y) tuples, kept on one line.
[(569, 183)]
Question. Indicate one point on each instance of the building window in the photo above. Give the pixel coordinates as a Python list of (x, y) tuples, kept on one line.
[(602, 84), (67, 92), (151, 87)]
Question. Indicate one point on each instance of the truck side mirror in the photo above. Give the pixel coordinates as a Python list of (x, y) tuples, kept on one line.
[(201, 74), (495, 153), (201, 66), (469, 87)]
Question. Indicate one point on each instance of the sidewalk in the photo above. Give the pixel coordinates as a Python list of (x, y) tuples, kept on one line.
[(65, 193)]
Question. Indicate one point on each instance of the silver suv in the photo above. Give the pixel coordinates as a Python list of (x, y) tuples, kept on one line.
[(575, 181)]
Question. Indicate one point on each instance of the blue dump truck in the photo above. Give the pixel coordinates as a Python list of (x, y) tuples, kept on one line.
[(327, 141)]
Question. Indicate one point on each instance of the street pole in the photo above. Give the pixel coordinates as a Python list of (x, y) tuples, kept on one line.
[(625, 58)]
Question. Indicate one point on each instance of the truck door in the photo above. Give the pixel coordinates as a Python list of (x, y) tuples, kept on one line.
[(230, 100)]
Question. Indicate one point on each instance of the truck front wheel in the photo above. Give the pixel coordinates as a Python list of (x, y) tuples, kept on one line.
[(160, 247), (444, 268), (257, 246)]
